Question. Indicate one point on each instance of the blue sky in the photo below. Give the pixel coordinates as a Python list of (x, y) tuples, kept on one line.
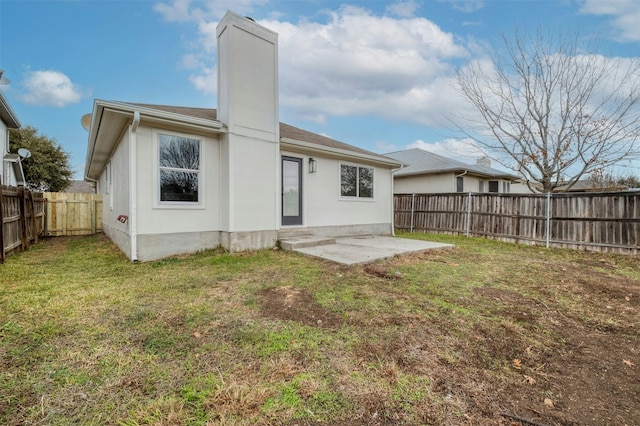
[(357, 71)]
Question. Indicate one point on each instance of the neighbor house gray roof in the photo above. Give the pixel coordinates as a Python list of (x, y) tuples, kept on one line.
[(421, 162)]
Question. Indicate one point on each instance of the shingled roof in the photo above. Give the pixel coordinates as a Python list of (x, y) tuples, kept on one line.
[(420, 162), (286, 131)]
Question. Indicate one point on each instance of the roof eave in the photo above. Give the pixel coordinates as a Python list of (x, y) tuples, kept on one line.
[(149, 115), (6, 113), (456, 170), (342, 153)]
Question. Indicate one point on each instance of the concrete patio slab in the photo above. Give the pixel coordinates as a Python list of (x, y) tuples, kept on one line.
[(366, 249)]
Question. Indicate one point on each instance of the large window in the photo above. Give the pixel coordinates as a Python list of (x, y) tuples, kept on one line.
[(356, 181), (179, 168), (494, 186)]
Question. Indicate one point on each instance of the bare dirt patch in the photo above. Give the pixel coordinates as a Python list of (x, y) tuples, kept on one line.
[(587, 373), (294, 304)]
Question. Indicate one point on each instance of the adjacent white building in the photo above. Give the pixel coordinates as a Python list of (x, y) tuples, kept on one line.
[(178, 179), (12, 174)]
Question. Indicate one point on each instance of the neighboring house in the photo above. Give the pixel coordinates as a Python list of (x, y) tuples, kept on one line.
[(426, 172), (12, 174), (177, 179), (80, 187)]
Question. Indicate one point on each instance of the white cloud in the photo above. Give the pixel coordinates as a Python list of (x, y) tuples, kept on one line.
[(51, 88), (358, 63), (625, 15), (468, 6), (189, 10), (465, 150), (384, 147), (352, 63), (404, 9)]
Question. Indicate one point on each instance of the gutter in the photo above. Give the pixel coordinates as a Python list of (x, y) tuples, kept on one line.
[(337, 152), (133, 185)]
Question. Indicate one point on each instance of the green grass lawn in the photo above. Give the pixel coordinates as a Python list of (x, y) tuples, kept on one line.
[(468, 335)]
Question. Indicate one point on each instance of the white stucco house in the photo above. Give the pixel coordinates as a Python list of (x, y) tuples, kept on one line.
[(426, 172), (178, 179), (12, 174)]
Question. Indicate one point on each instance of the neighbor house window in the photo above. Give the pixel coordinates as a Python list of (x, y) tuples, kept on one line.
[(493, 186), (506, 187), (459, 184), (179, 168), (356, 181), (481, 186)]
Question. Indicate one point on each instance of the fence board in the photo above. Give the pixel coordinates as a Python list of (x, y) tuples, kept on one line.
[(593, 221), (22, 217), (73, 213)]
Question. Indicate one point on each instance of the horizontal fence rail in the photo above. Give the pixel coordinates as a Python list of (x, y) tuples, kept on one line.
[(22, 219), (590, 221)]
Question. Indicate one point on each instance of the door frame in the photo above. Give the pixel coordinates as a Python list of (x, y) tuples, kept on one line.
[(291, 220)]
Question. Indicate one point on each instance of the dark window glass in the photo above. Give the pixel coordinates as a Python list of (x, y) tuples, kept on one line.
[(356, 181), (365, 182), (348, 181), (459, 184), (179, 168), (493, 186)]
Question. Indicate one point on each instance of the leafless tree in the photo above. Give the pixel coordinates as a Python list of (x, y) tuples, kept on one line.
[(551, 110)]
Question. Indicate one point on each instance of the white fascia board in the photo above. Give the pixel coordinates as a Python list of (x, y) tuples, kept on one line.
[(149, 114), (287, 143), (164, 116), (8, 116)]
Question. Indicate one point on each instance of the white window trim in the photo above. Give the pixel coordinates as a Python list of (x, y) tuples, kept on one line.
[(177, 205), (355, 198)]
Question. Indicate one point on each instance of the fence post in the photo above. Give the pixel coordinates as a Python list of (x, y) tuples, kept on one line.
[(469, 215), (23, 217), (548, 218), (413, 204)]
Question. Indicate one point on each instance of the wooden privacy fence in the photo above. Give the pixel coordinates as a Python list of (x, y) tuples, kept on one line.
[(589, 221), (73, 213), (22, 216)]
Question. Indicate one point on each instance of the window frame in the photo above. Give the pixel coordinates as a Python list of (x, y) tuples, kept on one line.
[(186, 205), (497, 183), (459, 184), (357, 196)]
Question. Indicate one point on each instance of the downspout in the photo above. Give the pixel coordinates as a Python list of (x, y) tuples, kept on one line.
[(133, 184), (455, 181), (393, 201), (87, 178), (393, 204)]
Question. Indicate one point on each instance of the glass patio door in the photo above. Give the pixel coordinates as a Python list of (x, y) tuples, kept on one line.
[(291, 191)]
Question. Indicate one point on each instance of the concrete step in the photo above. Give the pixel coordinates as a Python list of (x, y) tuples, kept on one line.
[(293, 243), (294, 233)]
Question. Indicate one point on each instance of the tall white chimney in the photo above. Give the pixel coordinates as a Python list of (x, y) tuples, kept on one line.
[(250, 150)]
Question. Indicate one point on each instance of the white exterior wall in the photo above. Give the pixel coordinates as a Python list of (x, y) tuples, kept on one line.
[(157, 218), (323, 207), (7, 170), (443, 183), (425, 184), (114, 187)]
